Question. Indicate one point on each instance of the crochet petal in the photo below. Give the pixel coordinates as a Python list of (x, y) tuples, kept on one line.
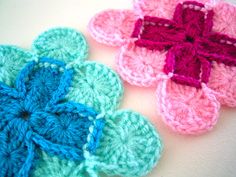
[(43, 83), (130, 145), (112, 27), (12, 60), (61, 43), (223, 82), (16, 150), (68, 130), (224, 18), (162, 8), (158, 8), (140, 66), (96, 85), (185, 109)]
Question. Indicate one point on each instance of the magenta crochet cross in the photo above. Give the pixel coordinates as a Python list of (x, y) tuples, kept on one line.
[(186, 49), (190, 42)]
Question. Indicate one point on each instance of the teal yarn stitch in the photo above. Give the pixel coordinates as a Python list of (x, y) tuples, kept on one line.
[(61, 43), (133, 144), (60, 118)]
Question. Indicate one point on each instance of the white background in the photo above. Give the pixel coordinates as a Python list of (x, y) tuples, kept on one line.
[(209, 155)]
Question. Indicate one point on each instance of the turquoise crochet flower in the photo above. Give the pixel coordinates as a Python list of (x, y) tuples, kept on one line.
[(58, 114)]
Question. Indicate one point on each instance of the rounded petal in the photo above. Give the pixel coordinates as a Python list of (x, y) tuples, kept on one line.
[(96, 85), (12, 60), (140, 66), (129, 146), (16, 150), (61, 43), (43, 83), (224, 19), (162, 8), (112, 27), (185, 109), (55, 167), (158, 8), (223, 82)]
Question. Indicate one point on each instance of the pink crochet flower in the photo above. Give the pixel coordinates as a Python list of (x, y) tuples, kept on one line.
[(186, 49)]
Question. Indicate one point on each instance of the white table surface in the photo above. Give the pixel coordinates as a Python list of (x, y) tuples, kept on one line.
[(209, 155)]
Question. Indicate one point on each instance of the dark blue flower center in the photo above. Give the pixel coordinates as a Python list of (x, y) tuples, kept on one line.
[(25, 115)]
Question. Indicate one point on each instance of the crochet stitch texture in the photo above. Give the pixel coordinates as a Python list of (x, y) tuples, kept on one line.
[(185, 48), (59, 117)]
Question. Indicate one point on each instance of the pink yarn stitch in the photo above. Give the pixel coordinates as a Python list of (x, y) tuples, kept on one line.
[(191, 56)]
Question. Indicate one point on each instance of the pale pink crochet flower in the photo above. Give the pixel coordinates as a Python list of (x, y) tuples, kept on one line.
[(186, 49)]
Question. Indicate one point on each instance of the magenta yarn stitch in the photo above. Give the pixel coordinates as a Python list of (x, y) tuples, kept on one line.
[(186, 49)]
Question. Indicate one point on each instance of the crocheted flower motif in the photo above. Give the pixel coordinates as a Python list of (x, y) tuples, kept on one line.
[(58, 118), (186, 48)]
